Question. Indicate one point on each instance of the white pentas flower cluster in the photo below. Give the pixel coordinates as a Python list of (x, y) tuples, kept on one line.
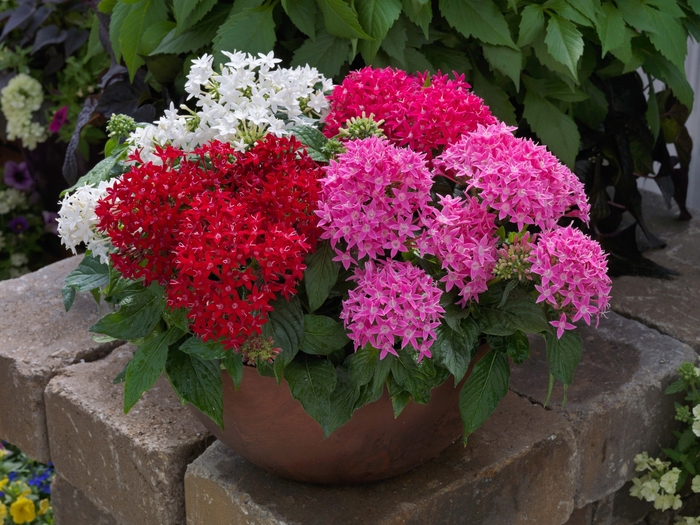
[(10, 199), (19, 99), (246, 99), (659, 483), (77, 221)]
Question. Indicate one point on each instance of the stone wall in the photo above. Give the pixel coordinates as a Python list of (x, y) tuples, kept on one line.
[(527, 465)]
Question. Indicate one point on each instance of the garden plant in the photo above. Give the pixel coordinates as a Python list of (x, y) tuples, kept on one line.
[(25, 489)]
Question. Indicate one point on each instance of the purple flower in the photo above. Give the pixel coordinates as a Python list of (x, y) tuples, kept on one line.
[(18, 225), (17, 176), (50, 224), (59, 119)]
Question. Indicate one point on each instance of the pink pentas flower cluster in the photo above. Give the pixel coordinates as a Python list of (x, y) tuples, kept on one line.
[(425, 113), (573, 272), (394, 301), (370, 197), (520, 180), (462, 236)]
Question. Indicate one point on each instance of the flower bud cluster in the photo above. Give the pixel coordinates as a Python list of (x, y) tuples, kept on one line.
[(120, 125), (362, 127), (513, 261), (258, 348), (19, 99)]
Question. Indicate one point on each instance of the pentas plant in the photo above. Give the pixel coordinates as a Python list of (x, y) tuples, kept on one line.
[(378, 246)]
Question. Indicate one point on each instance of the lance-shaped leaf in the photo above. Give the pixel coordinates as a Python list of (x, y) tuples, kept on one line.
[(311, 382), (322, 335), (138, 314)]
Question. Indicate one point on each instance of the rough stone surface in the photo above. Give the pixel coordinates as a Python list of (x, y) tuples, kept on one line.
[(37, 339), (519, 468), (131, 465), (670, 306), (616, 405), (72, 507)]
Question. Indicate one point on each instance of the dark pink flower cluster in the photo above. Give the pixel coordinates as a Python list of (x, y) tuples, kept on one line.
[(393, 301), (519, 179), (462, 236), (573, 272), (370, 199), (422, 112)]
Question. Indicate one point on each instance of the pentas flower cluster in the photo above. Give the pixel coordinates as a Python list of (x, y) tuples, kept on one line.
[(393, 300), (225, 232), (520, 180), (421, 112), (573, 272)]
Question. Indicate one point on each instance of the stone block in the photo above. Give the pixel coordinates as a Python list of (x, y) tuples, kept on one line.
[(72, 507), (519, 468), (37, 339), (616, 405), (132, 465)]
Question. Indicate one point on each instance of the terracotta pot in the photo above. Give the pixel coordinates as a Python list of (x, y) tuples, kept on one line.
[(266, 426)]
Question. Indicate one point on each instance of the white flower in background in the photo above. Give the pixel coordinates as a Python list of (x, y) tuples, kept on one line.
[(77, 221), (641, 462), (11, 199), (19, 99), (650, 490), (695, 484), (686, 520), (19, 259), (18, 272), (668, 501), (696, 422), (669, 480), (246, 99)]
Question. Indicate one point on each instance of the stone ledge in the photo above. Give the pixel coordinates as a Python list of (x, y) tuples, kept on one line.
[(616, 405), (37, 339), (130, 465), (72, 507), (522, 450)]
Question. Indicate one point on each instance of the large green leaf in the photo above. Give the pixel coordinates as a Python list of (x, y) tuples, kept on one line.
[(342, 401), (564, 42), (322, 335), (341, 19), (369, 373), (197, 36), (497, 99), (556, 129), (669, 38), (611, 27), (90, 274), (554, 87), (531, 24), (119, 13), (563, 355), (420, 13), (483, 390), (207, 351), (252, 31), (311, 382), (197, 382), (313, 139), (147, 365), (320, 275), (286, 326), (138, 314), (637, 14), (506, 60), (103, 170), (674, 77), (478, 18), (140, 18), (303, 14), (520, 312), (233, 363), (395, 42), (376, 17), (455, 351), (418, 379), (183, 8), (515, 346), (201, 9)]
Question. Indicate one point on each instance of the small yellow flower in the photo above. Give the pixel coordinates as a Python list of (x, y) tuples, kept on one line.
[(3, 452), (23, 510), (3, 512), (4, 481), (43, 506)]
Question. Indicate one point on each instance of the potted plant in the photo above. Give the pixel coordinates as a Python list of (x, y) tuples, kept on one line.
[(383, 247)]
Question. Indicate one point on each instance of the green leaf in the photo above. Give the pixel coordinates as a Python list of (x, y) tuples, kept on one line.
[(478, 18), (201, 10), (695, 6), (341, 19), (196, 37), (593, 110), (313, 139), (519, 313), (197, 382), (252, 31), (637, 14), (233, 363), (137, 316), (420, 13), (455, 351), (505, 60), (154, 35), (376, 17), (668, 7), (446, 59), (589, 8), (652, 113), (119, 13), (183, 8), (686, 440), (483, 390), (286, 327), (556, 129), (343, 400), (395, 42), (669, 38), (101, 172), (140, 17), (399, 402), (90, 274), (311, 382), (94, 44), (322, 335), (416, 62), (531, 24), (302, 13), (208, 351), (121, 376), (146, 366), (563, 355), (674, 77), (564, 42), (611, 27), (415, 378), (68, 295), (517, 347), (556, 88), (675, 387), (177, 317), (320, 275), (369, 372), (106, 6), (497, 99)]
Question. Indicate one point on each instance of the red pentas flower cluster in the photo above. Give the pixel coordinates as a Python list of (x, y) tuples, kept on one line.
[(225, 232), (421, 112)]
